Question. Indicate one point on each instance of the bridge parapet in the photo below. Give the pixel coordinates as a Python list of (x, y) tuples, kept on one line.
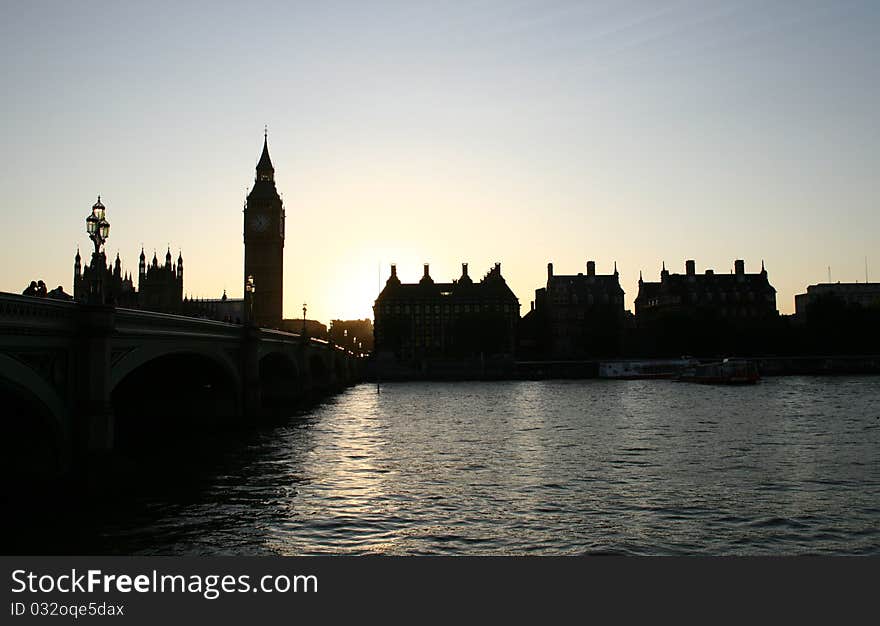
[(132, 321), (28, 314)]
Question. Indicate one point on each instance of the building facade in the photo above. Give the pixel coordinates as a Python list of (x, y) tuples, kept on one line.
[(264, 244), (118, 287), (355, 335), (866, 295), (159, 287), (458, 319), (311, 328), (737, 298), (578, 315), (222, 309)]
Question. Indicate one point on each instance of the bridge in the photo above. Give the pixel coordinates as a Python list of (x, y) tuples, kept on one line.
[(78, 379)]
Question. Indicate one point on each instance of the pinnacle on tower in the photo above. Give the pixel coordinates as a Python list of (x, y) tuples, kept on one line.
[(265, 170)]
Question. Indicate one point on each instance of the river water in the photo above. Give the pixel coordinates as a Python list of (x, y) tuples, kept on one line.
[(788, 466)]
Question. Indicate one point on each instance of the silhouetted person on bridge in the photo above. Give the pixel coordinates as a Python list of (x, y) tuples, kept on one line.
[(42, 292), (59, 294), (31, 289)]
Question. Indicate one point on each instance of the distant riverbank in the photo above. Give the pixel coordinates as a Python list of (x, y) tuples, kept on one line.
[(509, 369)]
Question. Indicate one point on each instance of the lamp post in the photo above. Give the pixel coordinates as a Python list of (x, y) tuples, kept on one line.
[(98, 229), (304, 320), (249, 290)]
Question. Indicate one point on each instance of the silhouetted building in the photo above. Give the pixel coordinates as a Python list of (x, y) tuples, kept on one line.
[(706, 314), (313, 328), (734, 297), (426, 319), (354, 335), (862, 294), (838, 318), (160, 287), (264, 243), (118, 287), (576, 316), (223, 309)]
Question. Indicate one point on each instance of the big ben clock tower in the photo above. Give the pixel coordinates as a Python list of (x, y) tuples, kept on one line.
[(264, 243)]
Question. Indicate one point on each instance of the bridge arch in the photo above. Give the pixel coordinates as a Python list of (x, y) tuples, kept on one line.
[(35, 431), (339, 366), (318, 371), (142, 356), (281, 382), (156, 393)]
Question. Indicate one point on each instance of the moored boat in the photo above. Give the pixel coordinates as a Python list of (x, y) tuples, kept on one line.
[(726, 372), (644, 368)]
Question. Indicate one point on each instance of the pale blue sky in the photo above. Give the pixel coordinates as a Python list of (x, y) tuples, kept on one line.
[(442, 132)]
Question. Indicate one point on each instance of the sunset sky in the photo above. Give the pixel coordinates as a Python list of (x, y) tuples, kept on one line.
[(445, 132)]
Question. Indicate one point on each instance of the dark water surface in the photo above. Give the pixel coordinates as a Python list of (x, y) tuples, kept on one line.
[(789, 466)]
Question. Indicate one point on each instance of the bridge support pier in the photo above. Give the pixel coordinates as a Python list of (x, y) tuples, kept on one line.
[(252, 404), (95, 423)]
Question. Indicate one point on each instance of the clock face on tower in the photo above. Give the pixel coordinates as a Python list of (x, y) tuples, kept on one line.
[(260, 222)]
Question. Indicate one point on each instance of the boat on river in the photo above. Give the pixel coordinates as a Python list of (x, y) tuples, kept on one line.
[(726, 372), (645, 368)]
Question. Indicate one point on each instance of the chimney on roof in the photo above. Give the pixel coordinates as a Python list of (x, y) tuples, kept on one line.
[(426, 271), (498, 267), (464, 270), (549, 270), (739, 267), (393, 270), (591, 268), (690, 267)]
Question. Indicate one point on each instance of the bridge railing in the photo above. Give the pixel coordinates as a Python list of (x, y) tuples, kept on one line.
[(282, 335), (39, 314), (137, 321), (25, 312)]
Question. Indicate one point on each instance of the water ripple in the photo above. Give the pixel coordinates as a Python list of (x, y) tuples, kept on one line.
[(790, 466)]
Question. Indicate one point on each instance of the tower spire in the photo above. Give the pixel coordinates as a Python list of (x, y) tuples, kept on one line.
[(265, 170)]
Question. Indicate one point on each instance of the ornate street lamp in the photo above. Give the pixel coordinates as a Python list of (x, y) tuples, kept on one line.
[(97, 226), (249, 290), (98, 229), (304, 320)]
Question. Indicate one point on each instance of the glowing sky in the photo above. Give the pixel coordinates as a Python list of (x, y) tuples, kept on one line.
[(442, 132)]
